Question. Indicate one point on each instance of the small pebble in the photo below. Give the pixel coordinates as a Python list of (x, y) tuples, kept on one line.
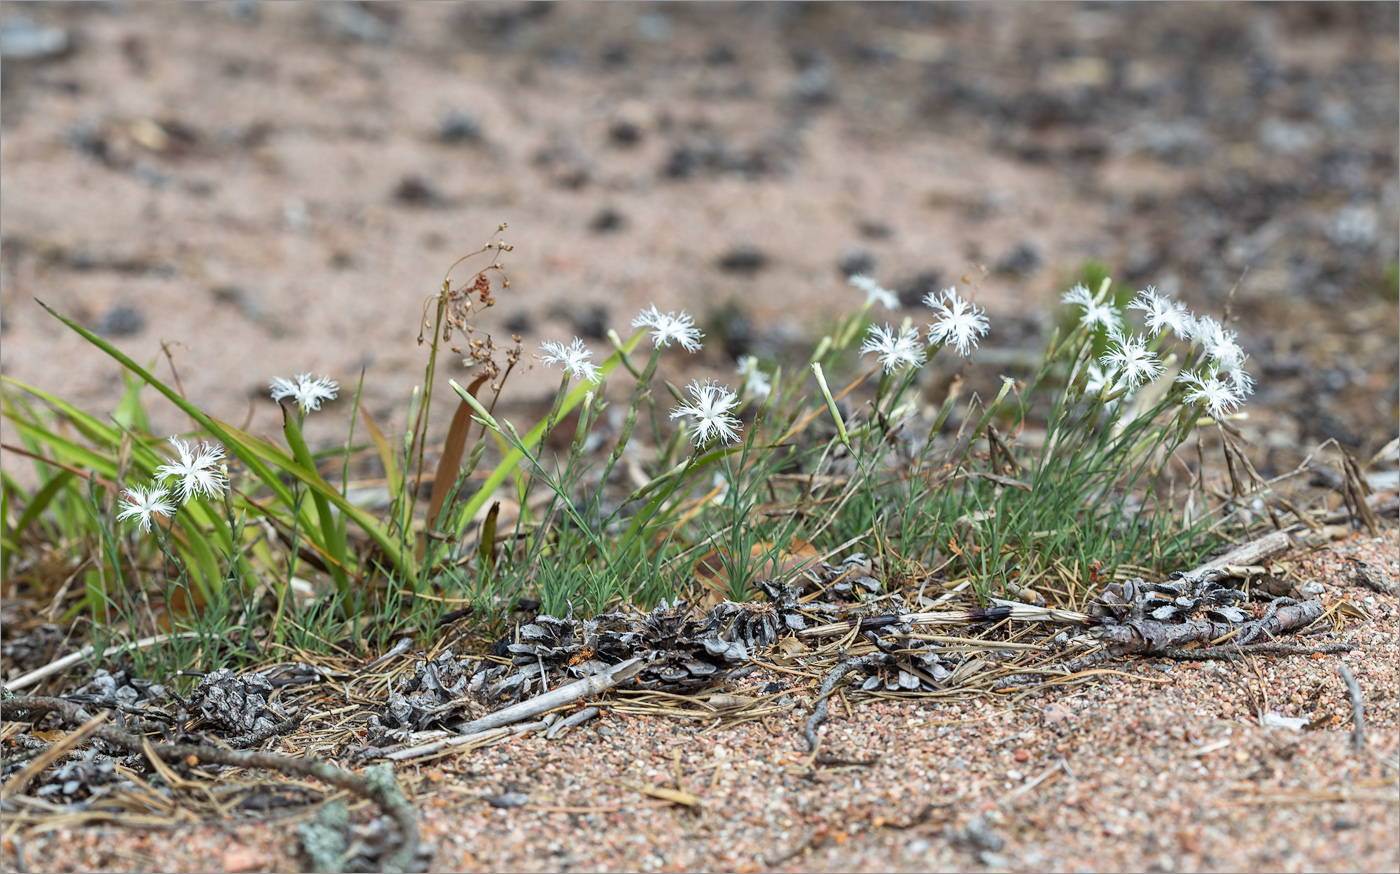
[(507, 799), (241, 859)]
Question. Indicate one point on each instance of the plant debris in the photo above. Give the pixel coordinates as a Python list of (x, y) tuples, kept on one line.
[(666, 661)]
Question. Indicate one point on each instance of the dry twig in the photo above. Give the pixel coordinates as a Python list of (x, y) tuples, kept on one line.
[(828, 685), (1358, 732)]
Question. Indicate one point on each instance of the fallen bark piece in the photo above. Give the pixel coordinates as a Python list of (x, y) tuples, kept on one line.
[(1150, 637), (1372, 578)]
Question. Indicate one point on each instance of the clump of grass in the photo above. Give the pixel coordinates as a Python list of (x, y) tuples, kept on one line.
[(1068, 472)]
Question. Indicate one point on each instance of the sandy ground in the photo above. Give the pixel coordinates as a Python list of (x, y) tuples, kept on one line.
[(273, 189), (277, 188)]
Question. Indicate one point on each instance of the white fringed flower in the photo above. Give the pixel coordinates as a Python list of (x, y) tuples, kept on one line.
[(960, 323), (896, 352), (197, 470), (711, 412), (1098, 379), (1162, 313), (142, 503), (574, 357), (1217, 396), (874, 292), (307, 392), (1095, 314), (756, 382), (1218, 343), (1128, 359), (669, 326)]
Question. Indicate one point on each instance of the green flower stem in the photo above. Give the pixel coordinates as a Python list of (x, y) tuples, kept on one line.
[(335, 544), (585, 424), (558, 402), (1006, 386), (831, 404)]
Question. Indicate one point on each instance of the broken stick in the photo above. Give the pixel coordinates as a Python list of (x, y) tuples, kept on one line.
[(1358, 731), (594, 685)]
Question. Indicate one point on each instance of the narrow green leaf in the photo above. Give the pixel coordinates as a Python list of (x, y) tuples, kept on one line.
[(513, 458), (250, 450)]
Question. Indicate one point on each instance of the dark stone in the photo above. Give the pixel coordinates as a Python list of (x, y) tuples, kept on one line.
[(607, 221), (874, 230), (745, 259), (720, 56), (912, 293), (815, 84), (591, 321), (858, 261), (625, 133), (1024, 259), (507, 799), (565, 167), (519, 322), (122, 320), (415, 191), (617, 56), (683, 162), (89, 140), (734, 328), (459, 127)]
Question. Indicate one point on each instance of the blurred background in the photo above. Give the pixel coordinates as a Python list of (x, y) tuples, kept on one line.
[(265, 189)]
